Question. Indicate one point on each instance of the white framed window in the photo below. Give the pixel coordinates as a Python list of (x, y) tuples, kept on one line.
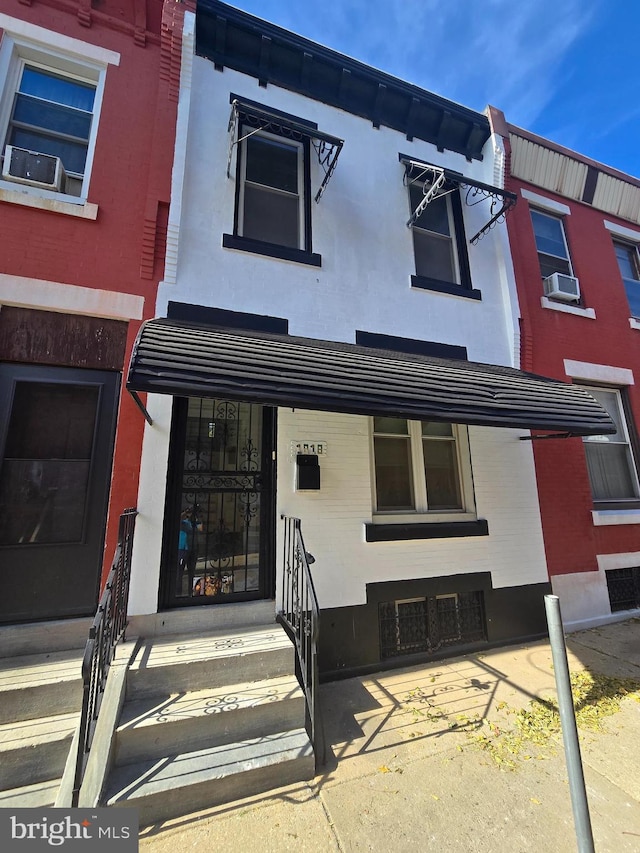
[(272, 199), (551, 243), (611, 463), (49, 109), (421, 468), (629, 266)]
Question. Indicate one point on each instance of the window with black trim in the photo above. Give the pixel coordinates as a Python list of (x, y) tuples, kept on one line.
[(551, 243), (439, 244), (629, 266), (272, 200), (273, 192), (610, 458), (273, 180), (422, 470)]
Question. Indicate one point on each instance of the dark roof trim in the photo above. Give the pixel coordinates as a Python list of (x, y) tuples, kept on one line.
[(410, 345), (247, 114), (232, 38), (211, 316), (280, 370), (415, 170)]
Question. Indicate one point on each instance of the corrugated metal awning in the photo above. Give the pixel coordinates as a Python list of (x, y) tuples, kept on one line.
[(188, 360)]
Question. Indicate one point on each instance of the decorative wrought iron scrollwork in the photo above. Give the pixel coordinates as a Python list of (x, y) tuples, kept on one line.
[(475, 194), (226, 410), (328, 159), (299, 612), (250, 504), (232, 481), (439, 181), (327, 148), (250, 456)]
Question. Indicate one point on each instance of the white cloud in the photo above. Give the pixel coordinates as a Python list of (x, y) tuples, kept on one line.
[(475, 52)]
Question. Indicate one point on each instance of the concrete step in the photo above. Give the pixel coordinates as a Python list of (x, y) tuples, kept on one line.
[(153, 727), (180, 663), (40, 795), (36, 638), (35, 750), (33, 686), (202, 620), (180, 784)]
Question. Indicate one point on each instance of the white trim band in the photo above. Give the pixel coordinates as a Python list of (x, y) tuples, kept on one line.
[(598, 372), (621, 231), (546, 203), (21, 292), (606, 517), (589, 313), (51, 40)]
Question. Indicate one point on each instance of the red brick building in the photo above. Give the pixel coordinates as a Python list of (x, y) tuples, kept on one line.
[(574, 237), (88, 99)]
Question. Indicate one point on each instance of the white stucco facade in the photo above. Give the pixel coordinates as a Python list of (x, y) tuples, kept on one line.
[(363, 283)]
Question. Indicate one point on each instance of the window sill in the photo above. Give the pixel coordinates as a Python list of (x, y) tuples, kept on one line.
[(271, 250), (427, 530), (27, 198), (564, 307), (605, 517), (422, 283), (634, 323)]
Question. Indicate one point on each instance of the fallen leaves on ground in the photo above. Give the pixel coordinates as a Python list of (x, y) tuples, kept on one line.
[(534, 730)]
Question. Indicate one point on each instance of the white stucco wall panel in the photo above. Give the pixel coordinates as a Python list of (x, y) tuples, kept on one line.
[(358, 229), (147, 542), (333, 519), (581, 595)]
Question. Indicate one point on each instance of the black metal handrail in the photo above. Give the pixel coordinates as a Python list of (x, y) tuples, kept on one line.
[(299, 612), (107, 629)]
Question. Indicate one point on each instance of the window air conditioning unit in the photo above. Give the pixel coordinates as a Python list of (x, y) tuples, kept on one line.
[(36, 170), (560, 286)]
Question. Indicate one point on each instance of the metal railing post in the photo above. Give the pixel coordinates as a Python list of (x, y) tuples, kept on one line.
[(577, 787), (299, 612), (107, 628)]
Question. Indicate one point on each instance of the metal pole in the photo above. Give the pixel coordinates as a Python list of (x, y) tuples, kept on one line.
[(577, 788)]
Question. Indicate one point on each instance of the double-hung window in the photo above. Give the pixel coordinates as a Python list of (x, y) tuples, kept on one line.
[(438, 241), (52, 114), (49, 108), (627, 257), (610, 459), (272, 199), (551, 244), (434, 237), (420, 467), (273, 152)]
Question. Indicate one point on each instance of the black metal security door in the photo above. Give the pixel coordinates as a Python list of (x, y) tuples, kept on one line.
[(218, 542), (56, 444)]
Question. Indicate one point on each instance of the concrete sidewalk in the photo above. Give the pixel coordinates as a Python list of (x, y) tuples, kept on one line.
[(407, 769)]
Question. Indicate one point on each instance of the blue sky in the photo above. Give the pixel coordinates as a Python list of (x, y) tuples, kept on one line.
[(568, 70)]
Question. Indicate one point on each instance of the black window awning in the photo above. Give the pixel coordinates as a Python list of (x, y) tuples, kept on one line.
[(186, 360), (248, 114), (438, 180)]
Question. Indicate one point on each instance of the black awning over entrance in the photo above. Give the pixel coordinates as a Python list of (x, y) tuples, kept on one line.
[(187, 360)]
